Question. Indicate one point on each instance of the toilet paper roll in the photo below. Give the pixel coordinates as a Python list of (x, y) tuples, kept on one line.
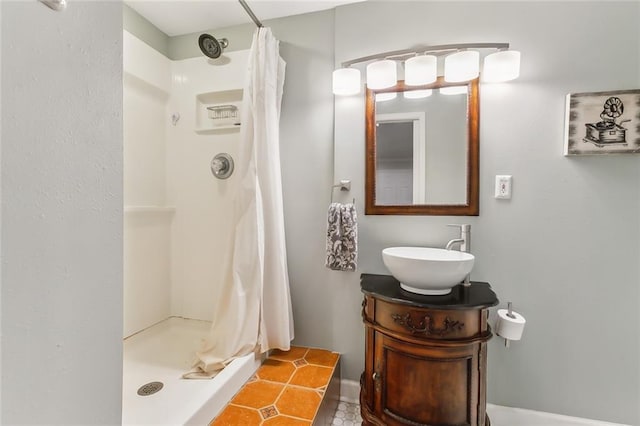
[(510, 328)]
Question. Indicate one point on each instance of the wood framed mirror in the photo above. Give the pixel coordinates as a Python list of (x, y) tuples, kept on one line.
[(422, 149)]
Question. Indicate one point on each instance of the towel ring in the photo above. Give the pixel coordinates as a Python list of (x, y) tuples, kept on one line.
[(344, 185)]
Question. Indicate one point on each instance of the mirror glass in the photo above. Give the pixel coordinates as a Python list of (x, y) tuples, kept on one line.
[(422, 149)]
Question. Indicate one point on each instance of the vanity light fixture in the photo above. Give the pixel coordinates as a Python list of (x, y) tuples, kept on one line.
[(461, 64)]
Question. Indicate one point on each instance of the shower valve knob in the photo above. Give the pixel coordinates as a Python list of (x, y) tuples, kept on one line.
[(222, 165)]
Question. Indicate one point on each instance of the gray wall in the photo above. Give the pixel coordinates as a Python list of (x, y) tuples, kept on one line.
[(565, 249), (61, 188), (306, 128), (140, 27)]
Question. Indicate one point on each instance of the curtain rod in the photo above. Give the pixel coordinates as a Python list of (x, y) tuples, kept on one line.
[(250, 13)]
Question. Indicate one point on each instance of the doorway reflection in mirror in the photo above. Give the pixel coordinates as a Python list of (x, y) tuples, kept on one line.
[(421, 148)]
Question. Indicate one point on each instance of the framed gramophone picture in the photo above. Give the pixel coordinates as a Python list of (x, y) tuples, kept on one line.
[(602, 123)]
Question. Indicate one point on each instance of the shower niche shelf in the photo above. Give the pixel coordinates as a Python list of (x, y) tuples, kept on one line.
[(218, 112)]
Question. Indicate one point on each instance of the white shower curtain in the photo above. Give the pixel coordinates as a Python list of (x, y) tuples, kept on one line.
[(254, 309)]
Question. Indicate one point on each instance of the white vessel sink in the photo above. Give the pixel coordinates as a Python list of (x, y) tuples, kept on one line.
[(425, 270)]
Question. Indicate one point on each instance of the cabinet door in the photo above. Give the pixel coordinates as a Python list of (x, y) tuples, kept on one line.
[(426, 385)]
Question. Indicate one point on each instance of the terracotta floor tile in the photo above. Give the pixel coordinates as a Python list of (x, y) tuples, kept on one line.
[(296, 352), (276, 371), (234, 416), (321, 357), (297, 402), (311, 376), (285, 421), (258, 394)]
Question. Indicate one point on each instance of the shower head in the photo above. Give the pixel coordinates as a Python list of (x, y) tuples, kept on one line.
[(212, 47)]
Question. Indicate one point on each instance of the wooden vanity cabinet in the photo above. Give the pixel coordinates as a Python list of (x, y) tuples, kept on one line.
[(425, 356)]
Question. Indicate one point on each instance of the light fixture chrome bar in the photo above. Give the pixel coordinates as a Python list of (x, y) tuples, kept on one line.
[(425, 49), (253, 17), (57, 5)]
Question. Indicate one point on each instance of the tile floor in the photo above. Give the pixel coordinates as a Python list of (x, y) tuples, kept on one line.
[(347, 414), (286, 390)]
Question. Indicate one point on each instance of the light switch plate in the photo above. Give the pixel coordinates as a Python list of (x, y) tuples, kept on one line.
[(503, 187)]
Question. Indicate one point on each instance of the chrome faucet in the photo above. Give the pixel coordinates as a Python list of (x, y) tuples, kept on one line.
[(465, 245), (464, 240)]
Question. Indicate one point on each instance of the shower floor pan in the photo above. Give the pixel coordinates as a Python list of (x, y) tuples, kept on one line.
[(162, 353)]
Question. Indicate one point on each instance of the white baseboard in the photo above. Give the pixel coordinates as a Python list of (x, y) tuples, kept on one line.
[(500, 415), (507, 416)]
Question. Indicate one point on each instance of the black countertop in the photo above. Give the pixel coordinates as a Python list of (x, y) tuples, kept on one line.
[(385, 287)]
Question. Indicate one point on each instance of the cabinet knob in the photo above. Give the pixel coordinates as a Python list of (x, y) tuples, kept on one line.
[(376, 375)]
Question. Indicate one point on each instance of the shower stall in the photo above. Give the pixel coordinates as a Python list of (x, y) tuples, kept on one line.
[(178, 116)]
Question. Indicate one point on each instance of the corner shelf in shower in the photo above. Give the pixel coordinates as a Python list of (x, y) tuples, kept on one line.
[(218, 112)]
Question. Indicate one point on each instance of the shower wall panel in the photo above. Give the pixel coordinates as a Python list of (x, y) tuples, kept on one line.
[(147, 222), (204, 216)]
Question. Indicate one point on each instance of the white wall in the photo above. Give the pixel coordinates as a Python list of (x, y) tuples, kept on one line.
[(61, 213), (565, 249), (147, 217)]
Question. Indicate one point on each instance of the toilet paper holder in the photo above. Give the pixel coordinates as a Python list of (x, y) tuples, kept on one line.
[(506, 331)]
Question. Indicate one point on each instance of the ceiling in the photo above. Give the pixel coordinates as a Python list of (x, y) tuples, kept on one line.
[(177, 17)]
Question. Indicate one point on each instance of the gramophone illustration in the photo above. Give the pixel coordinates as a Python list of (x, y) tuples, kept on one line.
[(608, 131)]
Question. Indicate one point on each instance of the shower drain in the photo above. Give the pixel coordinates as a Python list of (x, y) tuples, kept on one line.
[(150, 388)]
